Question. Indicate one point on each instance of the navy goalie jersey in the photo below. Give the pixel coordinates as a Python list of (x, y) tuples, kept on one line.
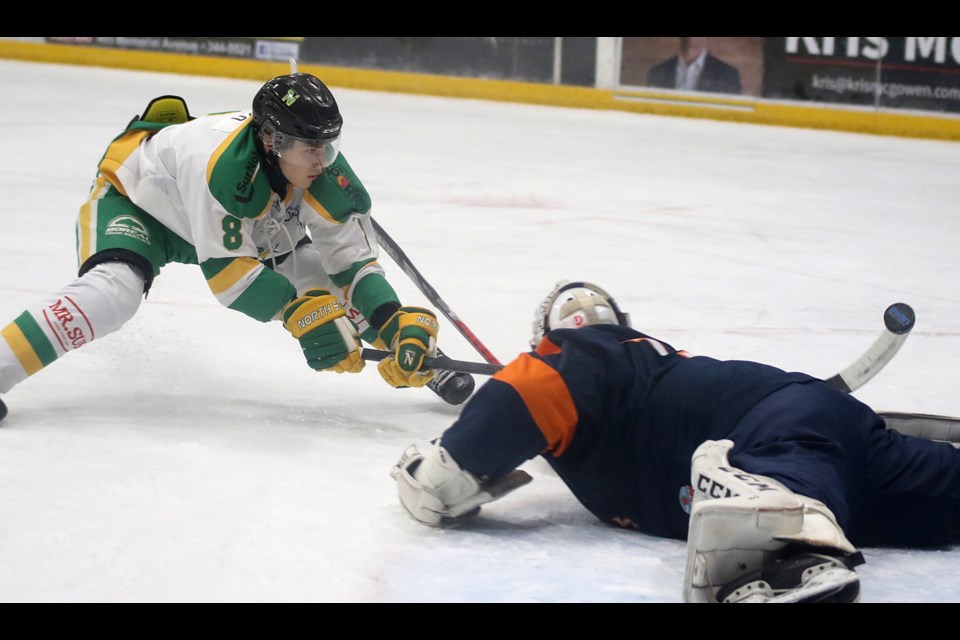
[(617, 414)]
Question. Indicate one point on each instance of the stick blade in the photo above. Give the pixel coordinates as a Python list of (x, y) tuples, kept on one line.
[(898, 319)]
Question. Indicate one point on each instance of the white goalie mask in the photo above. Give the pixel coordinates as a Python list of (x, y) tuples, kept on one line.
[(572, 305)]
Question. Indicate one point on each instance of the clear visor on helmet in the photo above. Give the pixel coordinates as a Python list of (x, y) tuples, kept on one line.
[(306, 153)]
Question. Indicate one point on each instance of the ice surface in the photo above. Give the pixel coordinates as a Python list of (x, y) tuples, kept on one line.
[(194, 457)]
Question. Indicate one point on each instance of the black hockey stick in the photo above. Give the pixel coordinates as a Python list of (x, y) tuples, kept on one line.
[(898, 319), (453, 385), (395, 252), (442, 363)]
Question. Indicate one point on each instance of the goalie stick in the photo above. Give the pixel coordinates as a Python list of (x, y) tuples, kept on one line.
[(899, 318)]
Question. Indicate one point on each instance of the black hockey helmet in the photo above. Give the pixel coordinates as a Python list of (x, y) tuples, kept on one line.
[(297, 105)]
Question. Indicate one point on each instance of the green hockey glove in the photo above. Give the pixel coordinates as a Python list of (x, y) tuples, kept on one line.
[(329, 341), (411, 334)]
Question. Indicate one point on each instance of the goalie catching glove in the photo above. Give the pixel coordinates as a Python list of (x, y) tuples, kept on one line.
[(411, 334), (329, 341)]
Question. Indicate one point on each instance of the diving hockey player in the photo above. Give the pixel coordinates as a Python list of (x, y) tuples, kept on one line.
[(771, 477), (267, 206)]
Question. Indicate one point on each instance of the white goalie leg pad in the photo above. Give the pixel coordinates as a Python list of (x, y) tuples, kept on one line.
[(739, 521), (436, 491)]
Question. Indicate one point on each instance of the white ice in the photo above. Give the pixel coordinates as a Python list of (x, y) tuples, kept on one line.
[(194, 457)]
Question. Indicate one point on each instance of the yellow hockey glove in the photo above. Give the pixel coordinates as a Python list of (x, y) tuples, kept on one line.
[(329, 341), (411, 334)]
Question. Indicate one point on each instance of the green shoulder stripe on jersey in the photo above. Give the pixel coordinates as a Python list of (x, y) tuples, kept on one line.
[(371, 292), (265, 297), (235, 176), (340, 191), (36, 338)]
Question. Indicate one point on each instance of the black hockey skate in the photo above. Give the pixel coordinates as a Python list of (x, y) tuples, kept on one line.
[(3, 410), (803, 577), (453, 386)]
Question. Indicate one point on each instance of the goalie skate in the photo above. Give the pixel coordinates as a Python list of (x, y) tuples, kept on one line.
[(801, 578)]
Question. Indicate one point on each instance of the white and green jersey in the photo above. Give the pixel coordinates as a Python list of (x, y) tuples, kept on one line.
[(203, 180)]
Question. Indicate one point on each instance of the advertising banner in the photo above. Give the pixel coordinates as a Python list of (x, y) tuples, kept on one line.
[(904, 73), (509, 58), (272, 49), (732, 66)]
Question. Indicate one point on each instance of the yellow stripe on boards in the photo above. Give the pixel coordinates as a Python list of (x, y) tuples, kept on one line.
[(641, 100)]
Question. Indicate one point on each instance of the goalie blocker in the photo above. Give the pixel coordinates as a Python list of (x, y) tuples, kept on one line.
[(436, 491)]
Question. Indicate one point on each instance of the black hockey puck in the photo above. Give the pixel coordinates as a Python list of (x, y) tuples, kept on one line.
[(899, 318), (454, 387)]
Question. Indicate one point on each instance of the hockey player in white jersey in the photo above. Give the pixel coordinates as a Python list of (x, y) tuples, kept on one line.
[(267, 207)]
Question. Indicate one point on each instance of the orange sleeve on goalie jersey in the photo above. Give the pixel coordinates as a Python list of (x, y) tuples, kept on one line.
[(546, 397)]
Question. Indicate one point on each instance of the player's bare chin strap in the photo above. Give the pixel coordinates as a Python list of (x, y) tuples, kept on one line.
[(90, 307)]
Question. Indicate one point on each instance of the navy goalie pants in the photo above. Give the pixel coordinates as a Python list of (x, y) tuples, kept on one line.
[(885, 488)]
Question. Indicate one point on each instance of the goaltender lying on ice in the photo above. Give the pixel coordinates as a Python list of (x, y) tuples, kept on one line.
[(774, 478)]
